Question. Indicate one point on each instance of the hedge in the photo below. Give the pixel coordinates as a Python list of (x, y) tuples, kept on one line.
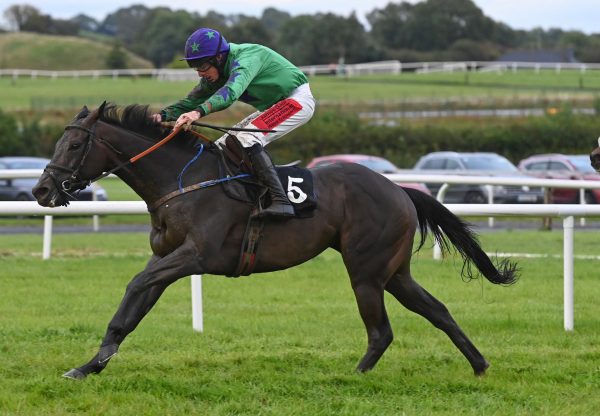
[(332, 132)]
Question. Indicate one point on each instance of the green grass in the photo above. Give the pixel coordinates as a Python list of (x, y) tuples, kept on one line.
[(547, 86), (286, 343), (117, 190)]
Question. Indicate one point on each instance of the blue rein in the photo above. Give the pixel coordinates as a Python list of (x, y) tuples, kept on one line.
[(208, 183)]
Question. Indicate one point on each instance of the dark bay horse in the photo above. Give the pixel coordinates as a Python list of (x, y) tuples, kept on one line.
[(361, 214)]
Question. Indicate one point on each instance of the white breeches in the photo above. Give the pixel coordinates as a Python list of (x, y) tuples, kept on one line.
[(282, 117)]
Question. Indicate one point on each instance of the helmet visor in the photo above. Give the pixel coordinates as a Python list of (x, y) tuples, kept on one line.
[(202, 64)]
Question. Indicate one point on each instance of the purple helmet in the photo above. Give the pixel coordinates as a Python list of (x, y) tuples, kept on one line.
[(204, 43)]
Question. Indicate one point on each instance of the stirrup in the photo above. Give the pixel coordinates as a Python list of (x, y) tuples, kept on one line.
[(275, 210)]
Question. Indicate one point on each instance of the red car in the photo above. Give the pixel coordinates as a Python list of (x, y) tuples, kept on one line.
[(559, 166), (378, 164)]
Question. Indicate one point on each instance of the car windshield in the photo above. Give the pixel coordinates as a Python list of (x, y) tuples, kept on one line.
[(487, 162), (582, 163), (27, 164), (378, 165)]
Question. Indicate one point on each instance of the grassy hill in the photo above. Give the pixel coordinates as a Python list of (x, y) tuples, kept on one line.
[(36, 51)]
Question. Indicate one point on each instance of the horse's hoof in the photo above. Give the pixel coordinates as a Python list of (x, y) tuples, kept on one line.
[(481, 371), (74, 374)]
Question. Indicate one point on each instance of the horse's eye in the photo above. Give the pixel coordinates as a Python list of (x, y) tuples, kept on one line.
[(74, 146)]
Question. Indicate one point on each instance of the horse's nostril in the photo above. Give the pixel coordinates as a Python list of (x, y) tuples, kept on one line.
[(39, 192)]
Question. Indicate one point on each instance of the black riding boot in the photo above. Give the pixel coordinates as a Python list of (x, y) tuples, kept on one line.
[(265, 172)]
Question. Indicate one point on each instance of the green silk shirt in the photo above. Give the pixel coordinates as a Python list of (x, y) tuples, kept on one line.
[(253, 74)]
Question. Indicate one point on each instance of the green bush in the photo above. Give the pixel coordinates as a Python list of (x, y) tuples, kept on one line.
[(10, 142), (27, 136), (333, 131)]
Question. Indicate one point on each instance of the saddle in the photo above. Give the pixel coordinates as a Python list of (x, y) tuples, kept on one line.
[(297, 181)]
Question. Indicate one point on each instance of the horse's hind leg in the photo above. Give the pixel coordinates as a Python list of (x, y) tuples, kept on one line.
[(410, 294), (369, 297)]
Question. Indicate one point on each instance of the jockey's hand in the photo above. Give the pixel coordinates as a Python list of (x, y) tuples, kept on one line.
[(185, 120), (156, 118)]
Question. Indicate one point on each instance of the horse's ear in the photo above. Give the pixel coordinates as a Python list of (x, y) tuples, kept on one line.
[(101, 108), (83, 113), (97, 113)]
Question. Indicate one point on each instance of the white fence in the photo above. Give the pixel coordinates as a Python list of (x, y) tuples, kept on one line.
[(381, 67), (567, 212)]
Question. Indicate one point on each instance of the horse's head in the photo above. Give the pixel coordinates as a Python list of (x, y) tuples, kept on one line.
[(74, 162), (595, 157)]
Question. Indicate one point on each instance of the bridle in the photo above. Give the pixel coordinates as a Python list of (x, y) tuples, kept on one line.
[(74, 182)]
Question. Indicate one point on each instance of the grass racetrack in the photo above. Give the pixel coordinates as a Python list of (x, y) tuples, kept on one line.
[(287, 343)]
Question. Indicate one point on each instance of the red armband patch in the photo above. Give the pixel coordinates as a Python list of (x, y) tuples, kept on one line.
[(277, 114)]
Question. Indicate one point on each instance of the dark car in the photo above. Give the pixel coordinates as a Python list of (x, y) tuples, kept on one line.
[(375, 163), (20, 189), (559, 166), (478, 164)]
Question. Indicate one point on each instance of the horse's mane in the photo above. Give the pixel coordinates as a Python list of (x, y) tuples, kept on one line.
[(134, 117)]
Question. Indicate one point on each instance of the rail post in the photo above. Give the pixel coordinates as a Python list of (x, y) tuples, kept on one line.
[(568, 224), (47, 241), (197, 316)]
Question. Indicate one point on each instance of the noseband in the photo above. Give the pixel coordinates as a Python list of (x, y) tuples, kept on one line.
[(74, 182)]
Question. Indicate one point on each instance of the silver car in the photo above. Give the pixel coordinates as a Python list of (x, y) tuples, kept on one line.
[(478, 164), (20, 189)]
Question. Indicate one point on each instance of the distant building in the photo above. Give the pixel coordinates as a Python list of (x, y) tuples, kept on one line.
[(539, 55)]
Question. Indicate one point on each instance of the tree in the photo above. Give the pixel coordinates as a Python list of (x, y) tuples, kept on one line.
[(323, 39), (28, 18), (164, 35), (39, 23), (116, 58), (434, 25), (591, 51), (85, 22), (250, 30), (388, 25), (470, 50), (19, 14), (126, 23), (274, 19)]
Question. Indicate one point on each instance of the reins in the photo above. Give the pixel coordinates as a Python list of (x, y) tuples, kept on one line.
[(74, 181), (168, 138)]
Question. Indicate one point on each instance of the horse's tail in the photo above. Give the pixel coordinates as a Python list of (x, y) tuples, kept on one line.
[(444, 225)]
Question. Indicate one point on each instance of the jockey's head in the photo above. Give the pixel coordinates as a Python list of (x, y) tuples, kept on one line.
[(206, 48)]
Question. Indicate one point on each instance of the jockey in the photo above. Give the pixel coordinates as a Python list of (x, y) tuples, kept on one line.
[(253, 74)]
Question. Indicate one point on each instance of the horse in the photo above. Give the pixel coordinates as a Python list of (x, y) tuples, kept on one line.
[(364, 216)]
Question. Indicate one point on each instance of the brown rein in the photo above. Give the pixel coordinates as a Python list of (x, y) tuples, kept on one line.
[(165, 140)]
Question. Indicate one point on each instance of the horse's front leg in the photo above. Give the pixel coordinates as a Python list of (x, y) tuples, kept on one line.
[(142, 293)]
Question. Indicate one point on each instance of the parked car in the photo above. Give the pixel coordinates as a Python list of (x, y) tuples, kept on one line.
[(559, 166), (376, 163), (480, 164), (20, 189)]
